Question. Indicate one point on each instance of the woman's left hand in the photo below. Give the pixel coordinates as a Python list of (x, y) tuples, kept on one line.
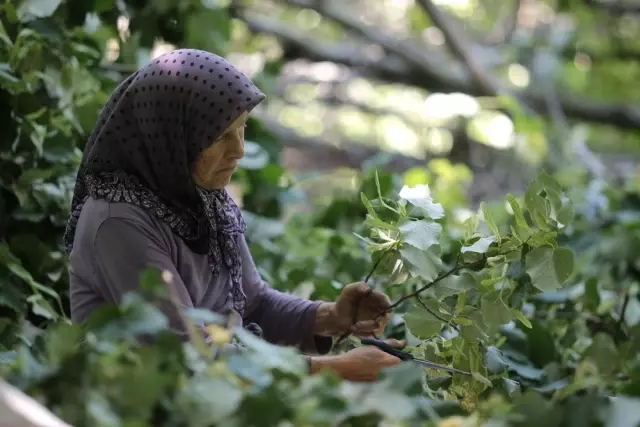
[(359, 301)]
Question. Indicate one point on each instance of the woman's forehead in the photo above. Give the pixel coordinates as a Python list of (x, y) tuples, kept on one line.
[(203, 90)]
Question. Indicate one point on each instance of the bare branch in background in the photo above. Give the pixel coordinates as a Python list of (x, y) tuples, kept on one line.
[(434, 77), (458, 46), (504, 30), (617, 53), (413, 56), (615, 7)]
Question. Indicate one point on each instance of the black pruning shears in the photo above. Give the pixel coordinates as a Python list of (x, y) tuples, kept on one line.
[(407, 357)]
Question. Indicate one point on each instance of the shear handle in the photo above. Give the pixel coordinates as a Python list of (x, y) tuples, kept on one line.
[(402, 355)]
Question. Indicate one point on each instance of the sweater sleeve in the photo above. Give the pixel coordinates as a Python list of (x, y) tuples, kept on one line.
[(123, 249), (283, 318)]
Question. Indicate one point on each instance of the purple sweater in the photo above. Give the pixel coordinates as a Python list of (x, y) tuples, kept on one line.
[(116, 242)]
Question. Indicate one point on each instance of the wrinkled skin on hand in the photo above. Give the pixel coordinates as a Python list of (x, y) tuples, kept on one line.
[(358, 298)]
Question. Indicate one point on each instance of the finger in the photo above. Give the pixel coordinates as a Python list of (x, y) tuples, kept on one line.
[(382, 299), (378, 303), (390, 360), (356, 291), (363, 289), (365, 326)]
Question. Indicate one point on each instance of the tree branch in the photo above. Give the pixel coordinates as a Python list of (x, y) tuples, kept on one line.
[(615, 7), (485, 81), (623, 311), (430, 75), (617, 53), (503, 33)]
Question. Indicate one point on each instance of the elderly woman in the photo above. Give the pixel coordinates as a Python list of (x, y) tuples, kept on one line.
[(150, 193)]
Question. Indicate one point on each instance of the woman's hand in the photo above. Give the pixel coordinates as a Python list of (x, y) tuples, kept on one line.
[(362, 364), (358, 301)]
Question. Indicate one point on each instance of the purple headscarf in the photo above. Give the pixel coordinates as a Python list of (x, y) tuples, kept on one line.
[(147, 140)]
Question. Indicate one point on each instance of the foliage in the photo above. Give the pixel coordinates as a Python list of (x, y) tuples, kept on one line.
[(501, 299)]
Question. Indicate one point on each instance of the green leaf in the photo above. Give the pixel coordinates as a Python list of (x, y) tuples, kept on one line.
[(151, 281), (375, 222), (623, 412), (549, 267), (271, 356), (367, 205), (425, 264), (420, 197), (421, 234), (537, 207), (603, 353), (62, 340), (33, 9), (494, 312), (489, 219), (480, 246), (481, 378), (204, 316), (421, 323), (41, 307), (547, 182), (591, 294), (535, 410), (540, 344), (470, 226), (521, 317), (388, 403), (565, 215), (517, 212), (209, 30), (4, 37), (453, 285), (205, 401), (133, 318)]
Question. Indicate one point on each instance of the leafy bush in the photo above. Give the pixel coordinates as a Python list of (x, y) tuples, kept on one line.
[(542, 339)]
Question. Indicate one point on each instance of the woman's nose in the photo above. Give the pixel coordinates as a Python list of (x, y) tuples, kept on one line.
[(236, 149)]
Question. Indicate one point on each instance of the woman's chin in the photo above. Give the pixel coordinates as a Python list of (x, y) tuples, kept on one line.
[(216, 181)]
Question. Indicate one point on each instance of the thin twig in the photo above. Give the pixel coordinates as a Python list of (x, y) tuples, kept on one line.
[(436, 315), (430, 284), (625, 303)]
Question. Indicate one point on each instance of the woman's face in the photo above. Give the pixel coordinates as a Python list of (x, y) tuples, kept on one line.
[(217, 163)]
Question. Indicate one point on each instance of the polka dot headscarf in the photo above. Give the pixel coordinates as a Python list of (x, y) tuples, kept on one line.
[(147, 140)]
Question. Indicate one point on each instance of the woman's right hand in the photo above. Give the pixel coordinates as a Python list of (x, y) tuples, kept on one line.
[(360, 364)]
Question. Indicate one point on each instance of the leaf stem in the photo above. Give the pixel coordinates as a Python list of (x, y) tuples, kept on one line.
[(431, 284), (436, 315), (625, 303)]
